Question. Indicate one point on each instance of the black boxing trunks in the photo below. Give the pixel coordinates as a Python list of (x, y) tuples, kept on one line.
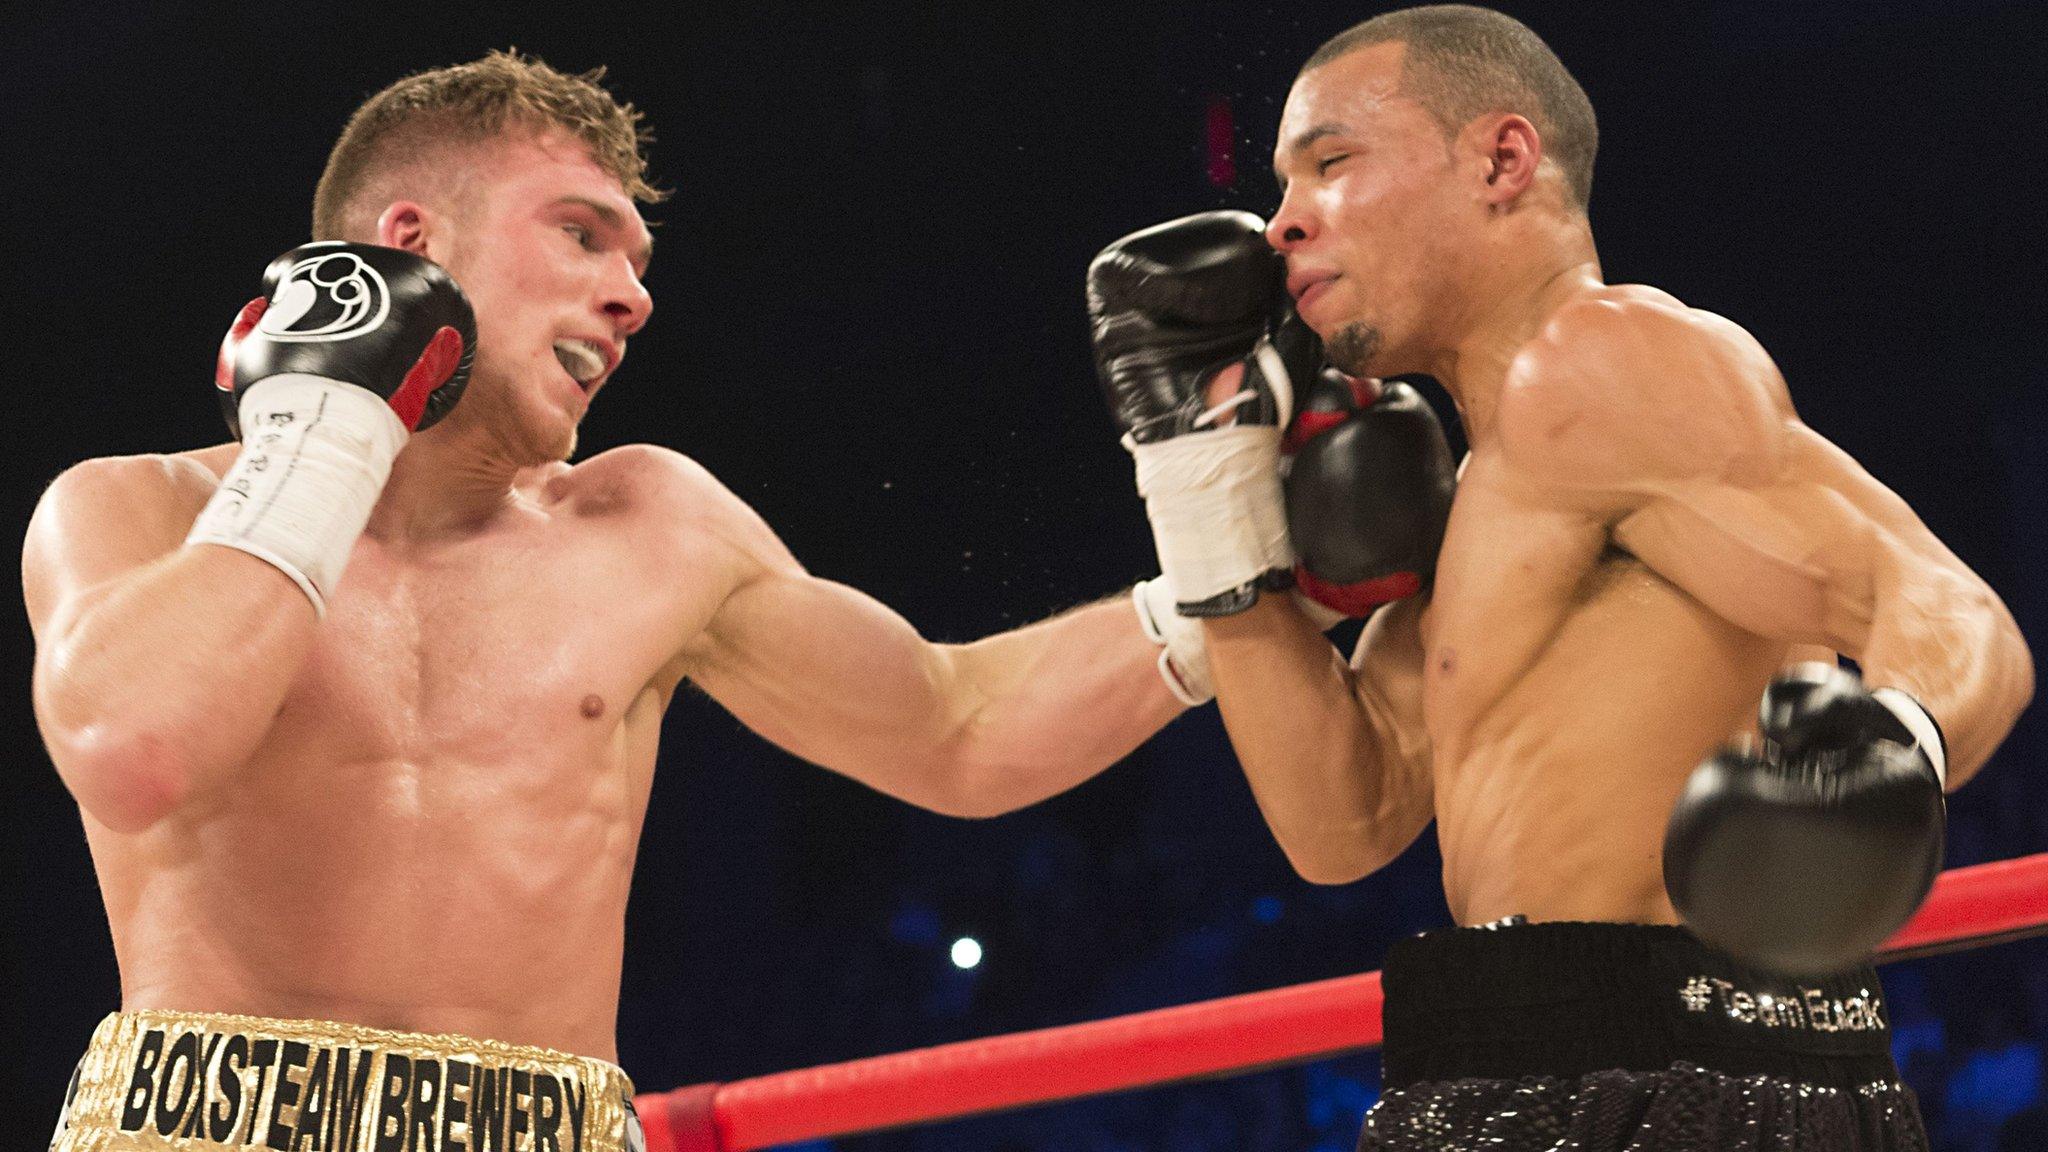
[(1628, 1038), (190, 1081)]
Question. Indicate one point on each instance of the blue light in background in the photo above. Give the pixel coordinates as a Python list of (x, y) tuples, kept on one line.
[(914, 923)]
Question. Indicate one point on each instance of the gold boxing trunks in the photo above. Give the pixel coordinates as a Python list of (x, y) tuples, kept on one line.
[(188, 1080)]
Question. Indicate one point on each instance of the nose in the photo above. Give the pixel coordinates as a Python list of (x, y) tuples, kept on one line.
[(626, 302), (1291, 226)]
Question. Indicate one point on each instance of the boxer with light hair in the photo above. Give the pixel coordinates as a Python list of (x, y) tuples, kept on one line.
[(361, 712)]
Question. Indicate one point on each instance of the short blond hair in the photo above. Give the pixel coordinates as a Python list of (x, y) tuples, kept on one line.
[(467, 104)]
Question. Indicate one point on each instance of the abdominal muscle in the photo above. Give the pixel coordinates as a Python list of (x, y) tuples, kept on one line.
[(439, 897), (1552, 806), (437, 843)]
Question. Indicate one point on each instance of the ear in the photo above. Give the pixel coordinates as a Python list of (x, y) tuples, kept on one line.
[(1511, 150), (404, 224)]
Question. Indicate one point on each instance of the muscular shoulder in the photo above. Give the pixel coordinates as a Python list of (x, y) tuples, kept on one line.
[(134, 486), (107, 514), (1627, 390), (659, 490)]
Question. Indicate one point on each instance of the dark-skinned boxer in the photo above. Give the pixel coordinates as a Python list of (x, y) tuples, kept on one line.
[(1645, 542)]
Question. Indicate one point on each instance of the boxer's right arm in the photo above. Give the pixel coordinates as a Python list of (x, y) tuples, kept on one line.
[(158, 667), (1337, 754), (163, 647), (1334, 754)]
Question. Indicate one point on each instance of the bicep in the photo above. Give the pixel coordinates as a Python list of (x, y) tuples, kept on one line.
[(1803, 556), (825, 672), (818, 668)]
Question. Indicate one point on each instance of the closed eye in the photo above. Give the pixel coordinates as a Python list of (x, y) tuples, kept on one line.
[(1323, 165)]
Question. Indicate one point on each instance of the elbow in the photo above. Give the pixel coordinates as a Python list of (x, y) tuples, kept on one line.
[(972, 790), (125, 773), (124, 780), (1342, 860), (2014, 658), (1330, 871), (127, 770), (1344, 850), (2022, 674), (972, 784)]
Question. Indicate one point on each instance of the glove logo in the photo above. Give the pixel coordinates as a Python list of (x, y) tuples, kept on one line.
[(331, 296)]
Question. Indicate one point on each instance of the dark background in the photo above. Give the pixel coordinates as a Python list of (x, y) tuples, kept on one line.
[(869, 325)]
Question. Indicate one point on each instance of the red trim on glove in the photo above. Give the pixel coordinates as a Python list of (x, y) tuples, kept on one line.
[(1308, 426), (1356, 600), (429, 372), (1316, 421), (245, 323)]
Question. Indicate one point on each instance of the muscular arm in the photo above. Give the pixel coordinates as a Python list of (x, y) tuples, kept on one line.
[(965, 729), (158, 668), (1338, 756), (1675, 427)]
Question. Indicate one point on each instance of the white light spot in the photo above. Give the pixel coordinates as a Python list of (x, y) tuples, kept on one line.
[(966, 952)]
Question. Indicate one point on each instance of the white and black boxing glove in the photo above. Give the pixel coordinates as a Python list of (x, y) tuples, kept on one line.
[(323, 378), (1170, 307)]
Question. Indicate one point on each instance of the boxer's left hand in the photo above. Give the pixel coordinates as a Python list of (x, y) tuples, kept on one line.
[(1807, 855), (1368, 489)]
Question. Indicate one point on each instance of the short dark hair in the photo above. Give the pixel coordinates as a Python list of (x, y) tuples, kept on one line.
[(1464, 61), (470, 103)]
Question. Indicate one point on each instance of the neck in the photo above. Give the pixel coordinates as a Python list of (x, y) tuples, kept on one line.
[(1521, 282), (447, 481)]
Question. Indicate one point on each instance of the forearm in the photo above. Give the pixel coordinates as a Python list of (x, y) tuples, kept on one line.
[(1947, 640), (1052, 704), (161, 685), (1340, 792)]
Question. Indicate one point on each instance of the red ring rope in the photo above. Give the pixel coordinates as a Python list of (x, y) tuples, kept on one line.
[(1969, 907)]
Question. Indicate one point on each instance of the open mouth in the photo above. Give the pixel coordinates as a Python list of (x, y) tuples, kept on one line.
[(582, 360)]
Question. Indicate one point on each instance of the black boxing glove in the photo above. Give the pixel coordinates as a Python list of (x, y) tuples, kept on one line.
[(1170, 307), (323, 379), (379, 318), (1368, 491), (1805, 856)]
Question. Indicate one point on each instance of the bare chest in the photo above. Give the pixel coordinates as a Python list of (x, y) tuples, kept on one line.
[(1537, 617), (1507, 577), (480, 653)]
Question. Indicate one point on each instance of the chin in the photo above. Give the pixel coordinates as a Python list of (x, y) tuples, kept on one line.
[(1353, 347), (550, 444)]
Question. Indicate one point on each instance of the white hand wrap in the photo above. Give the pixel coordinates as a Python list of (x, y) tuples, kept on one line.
[(1184, 648), (1920, 723), (315, 456), (1183, 651), (1218, 517)]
